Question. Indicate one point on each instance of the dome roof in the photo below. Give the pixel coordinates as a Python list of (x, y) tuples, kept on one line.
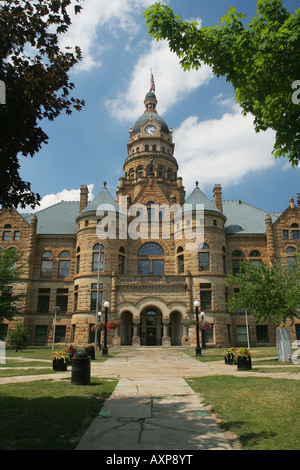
[(150, 100), (145, 117)]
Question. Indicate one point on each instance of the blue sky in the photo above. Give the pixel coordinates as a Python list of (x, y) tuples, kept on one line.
[(214, 143)]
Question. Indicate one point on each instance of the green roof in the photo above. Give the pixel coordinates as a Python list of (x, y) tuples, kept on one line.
[(242, 218), (145, 117), (58, 219), (103, 199), (198, 197)]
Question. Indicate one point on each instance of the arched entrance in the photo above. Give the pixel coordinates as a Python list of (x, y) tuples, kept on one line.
[(151, 327)]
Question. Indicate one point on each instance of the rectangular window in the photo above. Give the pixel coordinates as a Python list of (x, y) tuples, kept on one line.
[(262, 334), (285, 234), (144, 267), (62, 300), (94, 296), (295, 234), (241, 331), (16, 235), (203, 261), (64, 268), (95, 261), (46, 268), (180, 264), (60, 334), (209, 335), (43, 301), (76, 288), (205, 296), (158, 267), (205, 300), (40, 334), (6, 235)]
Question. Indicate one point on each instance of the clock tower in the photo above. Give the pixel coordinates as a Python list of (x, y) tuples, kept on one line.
[(150, 169)]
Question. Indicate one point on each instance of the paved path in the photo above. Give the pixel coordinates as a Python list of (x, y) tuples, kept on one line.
[(152, 407)]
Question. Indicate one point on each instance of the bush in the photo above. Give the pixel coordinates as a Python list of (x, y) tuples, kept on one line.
[(18, 337)]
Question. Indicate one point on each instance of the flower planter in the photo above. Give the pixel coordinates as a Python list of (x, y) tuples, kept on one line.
[(244, 363), (59, 365), (229, 359)]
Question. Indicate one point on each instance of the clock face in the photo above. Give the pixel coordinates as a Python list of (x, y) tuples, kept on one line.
[(150, 130)]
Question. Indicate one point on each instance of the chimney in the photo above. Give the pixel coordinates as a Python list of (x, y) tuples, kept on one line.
[(218, 197), (84, 194)]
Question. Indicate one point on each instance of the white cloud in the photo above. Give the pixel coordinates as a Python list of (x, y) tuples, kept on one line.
[(87, 32), (221, 150), (64, 195), (172, 83)]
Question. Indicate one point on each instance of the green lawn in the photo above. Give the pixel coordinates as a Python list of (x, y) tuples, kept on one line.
[(47, 415), (263, 412)]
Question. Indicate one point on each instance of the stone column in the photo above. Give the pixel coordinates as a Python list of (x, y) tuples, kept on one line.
[(136, 340)]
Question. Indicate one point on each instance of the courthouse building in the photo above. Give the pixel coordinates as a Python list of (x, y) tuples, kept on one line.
[(150, 281)]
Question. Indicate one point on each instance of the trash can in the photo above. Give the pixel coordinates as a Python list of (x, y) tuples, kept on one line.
[(81, 368), (91, 352)]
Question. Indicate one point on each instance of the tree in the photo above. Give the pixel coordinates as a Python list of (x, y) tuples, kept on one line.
[(35, 72), (260, 60), (270, 293), (10, 274), (18, 337)]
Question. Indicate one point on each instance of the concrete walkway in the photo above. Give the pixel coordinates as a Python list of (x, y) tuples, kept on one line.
[(152, 407)]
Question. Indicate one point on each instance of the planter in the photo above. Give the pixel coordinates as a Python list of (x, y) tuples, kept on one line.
[(59, 365), (244, 363), (229, 359)]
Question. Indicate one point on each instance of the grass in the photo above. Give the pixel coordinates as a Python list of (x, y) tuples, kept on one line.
[(217, 354), (47, 415), (263, 412)]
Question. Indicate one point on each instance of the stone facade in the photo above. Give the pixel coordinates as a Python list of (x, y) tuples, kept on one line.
[(149, 276)]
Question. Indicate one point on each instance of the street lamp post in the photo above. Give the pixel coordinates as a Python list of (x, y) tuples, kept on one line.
[(104, 349), (198, 348), (55, 309), (97, 295), (203, 331)]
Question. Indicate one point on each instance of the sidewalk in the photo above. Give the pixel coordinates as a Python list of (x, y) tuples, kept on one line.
[(152, 407)]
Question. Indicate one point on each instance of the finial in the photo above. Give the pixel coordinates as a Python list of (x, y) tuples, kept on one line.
[(104, 184), (196, 183)]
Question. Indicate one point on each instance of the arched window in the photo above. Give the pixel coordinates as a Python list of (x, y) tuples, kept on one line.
[(160, 172), (131, 174), (7, 232), (78, 260), (121, 261), (98, 252), (140, 172), (150, 211), (255, 257), (180, 260), (64, 264), (291, 259), (203, 257), (151, 260), (47, 264), (237, 257)]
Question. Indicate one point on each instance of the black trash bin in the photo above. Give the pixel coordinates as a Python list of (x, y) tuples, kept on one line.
[(91, 352), (81, 368)]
